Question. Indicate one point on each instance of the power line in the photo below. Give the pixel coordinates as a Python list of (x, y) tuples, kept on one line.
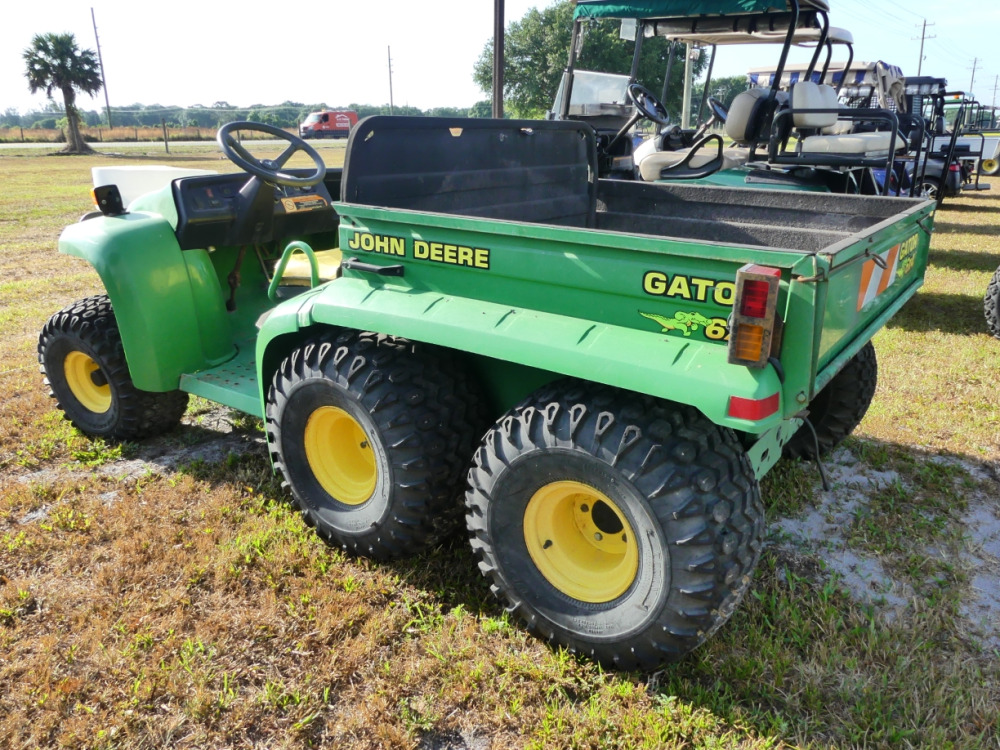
[(877, 16), (902, 8), (946, 51), (866, 14)]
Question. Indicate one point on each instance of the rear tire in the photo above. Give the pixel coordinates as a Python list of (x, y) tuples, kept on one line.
[(991, 305), (929, 188), (613, 524), (989, 167), (839, 408), (373, 435), (81, 356)]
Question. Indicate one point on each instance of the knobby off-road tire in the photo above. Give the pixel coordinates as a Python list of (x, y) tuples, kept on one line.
[(616, 525), (373, 435), (991, 305), (81, 356), (839, 407)]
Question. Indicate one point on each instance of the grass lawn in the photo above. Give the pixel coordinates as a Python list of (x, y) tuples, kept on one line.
[(165, 594)]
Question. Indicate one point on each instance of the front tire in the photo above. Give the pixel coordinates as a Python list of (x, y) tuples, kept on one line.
[(839, 407), (991, 305), (613, 524), (81, 356), (373, 434)]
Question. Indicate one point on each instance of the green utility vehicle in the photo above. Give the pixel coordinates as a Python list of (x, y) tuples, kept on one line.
[(603, 369)]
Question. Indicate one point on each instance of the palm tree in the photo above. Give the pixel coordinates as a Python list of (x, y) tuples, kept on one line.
[(53, 61)]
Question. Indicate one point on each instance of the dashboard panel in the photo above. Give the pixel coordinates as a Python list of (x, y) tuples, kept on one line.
[(238, 209)]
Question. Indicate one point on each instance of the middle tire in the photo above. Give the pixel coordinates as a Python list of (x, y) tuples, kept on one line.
[(373, 434), (616, 525), (838, 408)]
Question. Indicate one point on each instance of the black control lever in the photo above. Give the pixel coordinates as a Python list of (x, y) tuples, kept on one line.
[(358, 265)]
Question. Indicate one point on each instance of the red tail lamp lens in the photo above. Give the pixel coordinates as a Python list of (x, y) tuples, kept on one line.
[(754, 301)]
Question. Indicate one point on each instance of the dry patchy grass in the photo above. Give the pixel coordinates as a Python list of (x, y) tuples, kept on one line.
[(164, 594)]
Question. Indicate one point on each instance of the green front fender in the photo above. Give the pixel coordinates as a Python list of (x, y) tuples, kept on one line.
[(167, 303), (691, 372)]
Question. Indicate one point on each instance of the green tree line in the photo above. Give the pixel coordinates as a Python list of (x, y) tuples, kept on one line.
[(285, 115)]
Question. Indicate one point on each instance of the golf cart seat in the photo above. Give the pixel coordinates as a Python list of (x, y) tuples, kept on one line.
[(742, 124), (656, 165), (817, 117)]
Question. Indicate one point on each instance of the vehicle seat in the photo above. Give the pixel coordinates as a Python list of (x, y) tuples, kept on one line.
[(841, 127), (742, 122), (298, 272), (807, 96)]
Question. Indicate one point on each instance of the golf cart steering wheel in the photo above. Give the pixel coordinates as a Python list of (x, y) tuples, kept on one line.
[(648, 105), (719, 110), (269, 170)]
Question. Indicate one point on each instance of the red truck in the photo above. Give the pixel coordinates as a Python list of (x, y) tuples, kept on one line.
[(329, 123)]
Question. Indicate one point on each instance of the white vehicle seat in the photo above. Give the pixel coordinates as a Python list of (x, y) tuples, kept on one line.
[(743, 120), (841, 127), (807, 95), (866, 144), (741, 124)]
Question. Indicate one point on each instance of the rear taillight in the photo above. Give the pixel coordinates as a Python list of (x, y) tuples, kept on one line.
[(753, 303), (954, 168), (754, 314)]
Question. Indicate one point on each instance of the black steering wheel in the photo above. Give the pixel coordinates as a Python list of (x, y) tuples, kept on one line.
[(269, 170), (648, 105), (719, 110)]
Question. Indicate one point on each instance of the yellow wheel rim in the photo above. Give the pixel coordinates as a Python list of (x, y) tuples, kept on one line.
[(580, 541), (340, 455), (80, 370), (989, 165)]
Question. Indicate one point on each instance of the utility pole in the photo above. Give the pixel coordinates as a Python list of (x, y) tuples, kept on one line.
[(973, 80), (104, 80), (923, 36), (498, 59), (996, 80), (391, 109)]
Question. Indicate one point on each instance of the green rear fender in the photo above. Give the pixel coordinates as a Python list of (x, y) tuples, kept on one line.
[(516, 349), (168, 303)]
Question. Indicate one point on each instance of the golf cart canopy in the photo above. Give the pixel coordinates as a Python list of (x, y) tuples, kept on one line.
[(862, 81), (649, 9), (860, 74), (802, 37)]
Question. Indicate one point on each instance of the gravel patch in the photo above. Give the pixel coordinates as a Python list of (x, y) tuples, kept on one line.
[(822, 532)]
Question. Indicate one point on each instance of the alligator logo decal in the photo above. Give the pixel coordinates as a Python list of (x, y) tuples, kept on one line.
[(715, 329), (685, 322)]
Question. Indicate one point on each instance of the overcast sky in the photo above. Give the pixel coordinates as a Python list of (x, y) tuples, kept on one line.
[(337, 51)]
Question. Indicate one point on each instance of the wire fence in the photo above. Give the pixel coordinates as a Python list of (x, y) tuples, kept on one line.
[(99, 134)]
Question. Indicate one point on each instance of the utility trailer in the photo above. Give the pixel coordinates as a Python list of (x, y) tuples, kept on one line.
[(595, 373)]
